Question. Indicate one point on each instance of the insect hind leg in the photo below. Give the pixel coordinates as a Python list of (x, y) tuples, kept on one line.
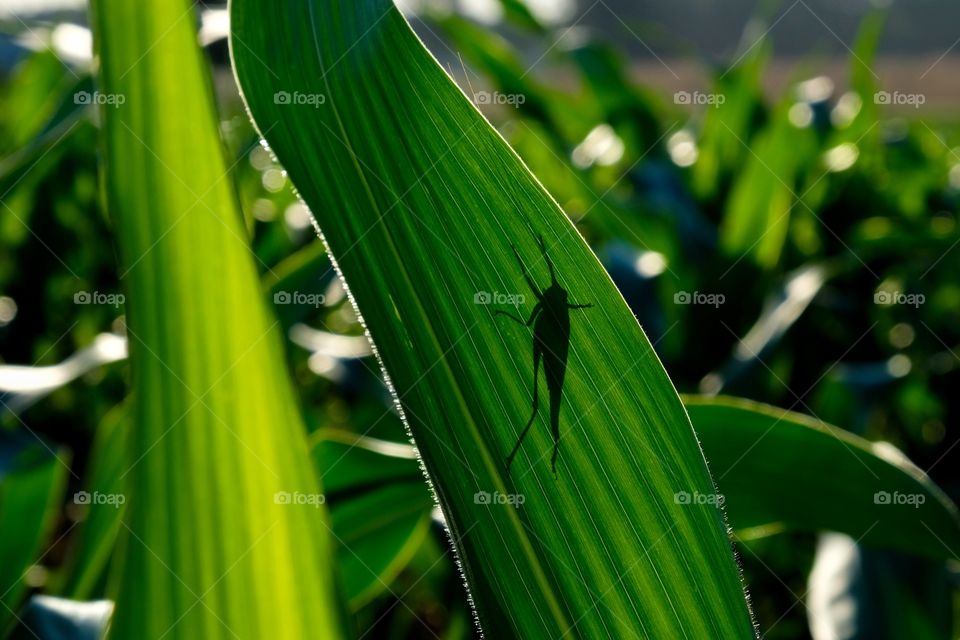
[(533, 413), (555, 426)]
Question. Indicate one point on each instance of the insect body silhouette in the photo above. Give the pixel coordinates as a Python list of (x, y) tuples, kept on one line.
[(550, 319)]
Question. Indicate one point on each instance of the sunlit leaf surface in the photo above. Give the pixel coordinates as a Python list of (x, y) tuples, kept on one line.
[(433, 221), (225, 531)]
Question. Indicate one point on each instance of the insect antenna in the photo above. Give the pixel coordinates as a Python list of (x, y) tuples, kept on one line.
[(543, 249)]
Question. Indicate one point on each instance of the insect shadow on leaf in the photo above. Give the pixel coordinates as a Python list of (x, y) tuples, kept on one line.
[(550, 319)]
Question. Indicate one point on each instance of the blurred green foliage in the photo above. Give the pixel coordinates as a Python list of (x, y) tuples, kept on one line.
[(823, 224)]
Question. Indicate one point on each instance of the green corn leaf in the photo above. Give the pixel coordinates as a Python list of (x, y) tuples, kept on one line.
[(218, 542), (420, 201), (382, 530), (379, 508), (763, 196), (761, 459)]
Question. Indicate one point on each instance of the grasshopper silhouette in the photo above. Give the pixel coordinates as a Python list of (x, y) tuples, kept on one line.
[(551, 343)]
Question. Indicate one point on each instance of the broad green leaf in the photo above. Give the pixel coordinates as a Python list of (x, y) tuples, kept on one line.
[(381, 531), (379, 506), (777, 467), (420, 201), (32, 480), (349, 464), (218, 541)]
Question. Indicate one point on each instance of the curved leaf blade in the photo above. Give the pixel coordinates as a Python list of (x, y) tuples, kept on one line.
[(779, 467), (420, 201)]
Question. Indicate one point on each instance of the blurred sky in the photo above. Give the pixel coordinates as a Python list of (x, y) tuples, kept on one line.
[(713, 27)]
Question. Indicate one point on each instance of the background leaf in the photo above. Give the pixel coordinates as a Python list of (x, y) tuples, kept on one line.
[(32, 481), (760, 457), (379, 508)]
